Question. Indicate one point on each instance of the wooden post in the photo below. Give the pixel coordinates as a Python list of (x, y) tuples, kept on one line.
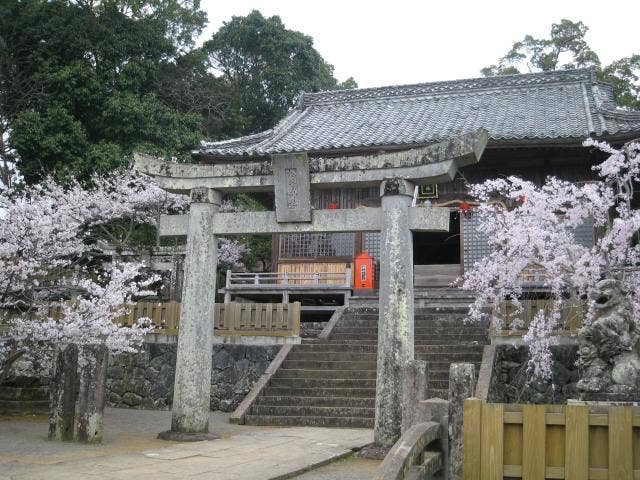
[(471, 433), (534, 434), (492, 442), (620, 442), (347, 277), (296, 318), (576, 464)]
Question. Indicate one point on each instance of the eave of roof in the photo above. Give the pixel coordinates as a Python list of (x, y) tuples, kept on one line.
[(560, 108)]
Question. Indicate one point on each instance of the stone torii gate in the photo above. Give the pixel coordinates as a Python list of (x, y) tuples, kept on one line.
[(292, 176)]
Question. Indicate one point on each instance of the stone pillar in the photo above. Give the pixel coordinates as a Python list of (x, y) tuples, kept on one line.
[(192, 389), (395, 324), (414, 390), (462, 383)]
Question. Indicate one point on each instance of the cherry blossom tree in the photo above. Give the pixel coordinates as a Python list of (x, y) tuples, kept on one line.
[(530, 226), (57, 293)]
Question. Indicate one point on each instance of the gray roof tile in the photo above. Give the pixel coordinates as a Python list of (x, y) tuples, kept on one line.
[(567, 104)]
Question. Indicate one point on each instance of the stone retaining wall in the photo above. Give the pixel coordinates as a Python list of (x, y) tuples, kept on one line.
[(145, 379), (511, 382)]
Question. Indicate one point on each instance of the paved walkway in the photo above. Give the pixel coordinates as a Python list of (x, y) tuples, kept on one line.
[(351, 468), (131, 451)]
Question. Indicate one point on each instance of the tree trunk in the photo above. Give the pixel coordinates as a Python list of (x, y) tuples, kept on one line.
[(63, 392), (78, 393), (92, 368)]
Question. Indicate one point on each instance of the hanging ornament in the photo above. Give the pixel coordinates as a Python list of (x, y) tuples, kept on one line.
[(464, 207)]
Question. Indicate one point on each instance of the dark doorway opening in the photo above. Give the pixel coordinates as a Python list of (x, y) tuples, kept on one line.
[(438, 248)]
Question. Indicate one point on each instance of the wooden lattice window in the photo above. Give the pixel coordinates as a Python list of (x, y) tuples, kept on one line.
[(313, 245)]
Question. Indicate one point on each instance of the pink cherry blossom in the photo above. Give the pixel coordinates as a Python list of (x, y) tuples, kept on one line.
[(539, 232)]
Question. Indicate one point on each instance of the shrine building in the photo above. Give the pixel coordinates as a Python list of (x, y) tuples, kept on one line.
[(536, 125)]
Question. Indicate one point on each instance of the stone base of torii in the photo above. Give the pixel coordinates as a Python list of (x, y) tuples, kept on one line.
[(292, 177)]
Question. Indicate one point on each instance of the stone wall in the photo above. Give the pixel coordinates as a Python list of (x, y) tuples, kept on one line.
[(145, 379), (511, 382)]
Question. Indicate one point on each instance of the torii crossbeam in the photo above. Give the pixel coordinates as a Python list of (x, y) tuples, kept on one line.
[(292, 176)]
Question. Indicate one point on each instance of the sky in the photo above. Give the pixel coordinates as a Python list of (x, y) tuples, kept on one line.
[(399, 41)]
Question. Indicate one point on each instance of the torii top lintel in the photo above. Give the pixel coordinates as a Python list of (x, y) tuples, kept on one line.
[(434, 163)]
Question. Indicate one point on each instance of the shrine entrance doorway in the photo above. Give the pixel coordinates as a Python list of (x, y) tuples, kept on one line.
[(437, 255)]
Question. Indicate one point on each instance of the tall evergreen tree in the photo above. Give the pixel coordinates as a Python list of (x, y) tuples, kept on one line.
[(567, 48)]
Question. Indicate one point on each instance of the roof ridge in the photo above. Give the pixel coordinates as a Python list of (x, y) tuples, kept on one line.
[(478, 83), (232, 141)]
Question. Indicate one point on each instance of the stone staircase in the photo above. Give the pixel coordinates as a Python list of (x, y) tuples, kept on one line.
[(332, 382)]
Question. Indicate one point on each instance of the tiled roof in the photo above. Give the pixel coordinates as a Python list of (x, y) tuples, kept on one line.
[(549, 106)]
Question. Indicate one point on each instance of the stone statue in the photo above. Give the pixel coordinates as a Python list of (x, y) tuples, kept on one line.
[(609, 347)]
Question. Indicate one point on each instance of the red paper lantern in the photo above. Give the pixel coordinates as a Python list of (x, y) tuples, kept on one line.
[(333, 206), (464, 207)]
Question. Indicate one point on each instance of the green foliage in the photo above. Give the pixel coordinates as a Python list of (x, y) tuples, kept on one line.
[(83, 84), (566, 48), (259, 248), (624, 76), (266, 66)]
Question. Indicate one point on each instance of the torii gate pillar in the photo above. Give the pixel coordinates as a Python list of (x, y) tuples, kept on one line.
[(192, 387), (395, 324)]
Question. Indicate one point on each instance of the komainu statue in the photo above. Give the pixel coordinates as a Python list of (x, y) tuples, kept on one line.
[(610, 345)]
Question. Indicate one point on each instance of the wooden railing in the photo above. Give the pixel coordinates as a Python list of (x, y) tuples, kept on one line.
[(165, 316), (245, 319), (573, 442), (286, 279), (258, 319), (571, 316)]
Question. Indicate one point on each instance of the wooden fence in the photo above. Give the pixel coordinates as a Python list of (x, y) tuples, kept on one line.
[(248, 319), (258, 319), (573, 442)]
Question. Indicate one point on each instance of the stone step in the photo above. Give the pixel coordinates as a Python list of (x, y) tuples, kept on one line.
[(434, 340), (452, 357), (360, 348), (445, 365), (438, 393), (357, 331), (453, 347), (444, 338), (372, 317), (334, 347), (295, 356), (299, 373), (321, 383), (311, 411), (330, 365), (438, 384), (448, 339), (362, 402), (346, 422), (359, 361), (271, 391), (341, 341)]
